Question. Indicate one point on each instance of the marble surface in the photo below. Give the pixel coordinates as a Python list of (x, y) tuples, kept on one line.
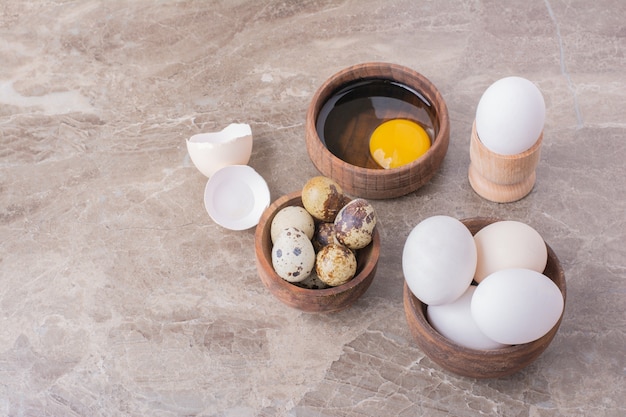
[(118, 294)]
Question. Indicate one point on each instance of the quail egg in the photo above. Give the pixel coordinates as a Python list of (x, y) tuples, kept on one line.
[(335, 264), (292, 216), (324, 235), (355, 224), (293, 256), (322, 198)]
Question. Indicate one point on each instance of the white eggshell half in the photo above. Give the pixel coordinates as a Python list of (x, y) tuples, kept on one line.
[(510, 116), (516, 306), (236, 196), (439, 260), (454, 321), (509, 244), (212, 151)]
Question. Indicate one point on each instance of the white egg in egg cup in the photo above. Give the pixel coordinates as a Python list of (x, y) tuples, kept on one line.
[(506, 140)]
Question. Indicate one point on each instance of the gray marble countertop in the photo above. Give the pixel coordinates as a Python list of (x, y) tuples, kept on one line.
[(118, 294)]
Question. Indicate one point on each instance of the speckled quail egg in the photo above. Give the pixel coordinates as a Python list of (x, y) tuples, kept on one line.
[(355, 224), (335, 264), (324, 235), (312, 282), (293, 256), (322, 198), (292, 216)]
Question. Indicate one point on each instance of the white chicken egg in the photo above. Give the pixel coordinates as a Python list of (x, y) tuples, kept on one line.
[(510, 116), (509, 244), (293, 256), (292, 216), (454, 321), (439, 260), (516, 306)]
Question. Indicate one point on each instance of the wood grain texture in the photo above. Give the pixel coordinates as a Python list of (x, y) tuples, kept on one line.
[(471, 362), (379, 183), (502, 178), (311, 300)]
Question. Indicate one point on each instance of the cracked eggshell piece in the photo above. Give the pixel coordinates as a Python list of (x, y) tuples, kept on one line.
[(236, 196), (212, 151)]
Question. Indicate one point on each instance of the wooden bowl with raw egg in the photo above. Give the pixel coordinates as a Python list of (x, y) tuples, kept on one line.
[(476, 363), (380, 130), (311, 298)]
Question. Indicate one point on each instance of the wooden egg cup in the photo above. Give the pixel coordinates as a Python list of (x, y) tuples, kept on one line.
[(502, 178)]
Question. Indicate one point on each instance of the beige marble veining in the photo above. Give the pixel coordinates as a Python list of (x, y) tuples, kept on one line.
[(120, 297)]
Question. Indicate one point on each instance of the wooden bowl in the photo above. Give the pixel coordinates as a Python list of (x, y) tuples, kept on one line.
[(471, 362), (362, 178), (325, 300)]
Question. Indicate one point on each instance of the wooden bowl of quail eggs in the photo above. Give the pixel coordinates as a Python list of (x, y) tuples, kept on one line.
[(317, 249), (483, 297)]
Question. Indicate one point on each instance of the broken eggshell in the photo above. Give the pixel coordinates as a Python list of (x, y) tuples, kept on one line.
[(212, 151), (236, 196)]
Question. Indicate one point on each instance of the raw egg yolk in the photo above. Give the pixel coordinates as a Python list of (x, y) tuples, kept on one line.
[(398, 142)]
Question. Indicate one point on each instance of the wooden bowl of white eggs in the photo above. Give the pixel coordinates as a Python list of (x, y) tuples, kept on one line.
[(519, 306)]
